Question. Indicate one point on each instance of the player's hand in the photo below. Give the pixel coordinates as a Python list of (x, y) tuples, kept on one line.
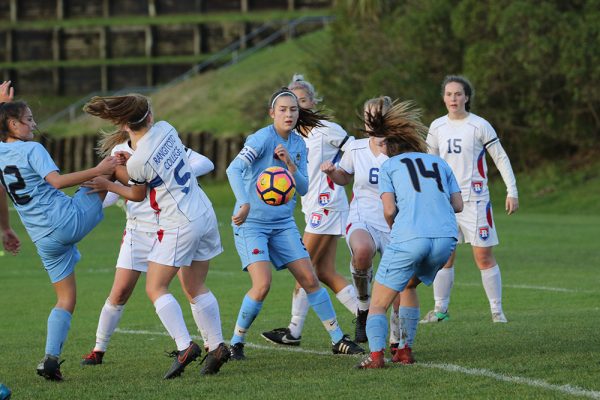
[(240, 217), (107, 166), (282, 153), (98, 184), (122, 157), (7, 93), (328, 167), (11, 241), (512, 205)]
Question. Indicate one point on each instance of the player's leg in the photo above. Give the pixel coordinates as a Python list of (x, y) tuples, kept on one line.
[(395, 332), (363, 248), (408, 315), (321, 302), (492, 280), (442, 287), (261, 275)]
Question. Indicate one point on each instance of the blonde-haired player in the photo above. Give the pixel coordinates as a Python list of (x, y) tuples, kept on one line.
[(462, 139)]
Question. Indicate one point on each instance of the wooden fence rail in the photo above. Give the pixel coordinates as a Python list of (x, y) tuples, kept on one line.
[(77, 153)]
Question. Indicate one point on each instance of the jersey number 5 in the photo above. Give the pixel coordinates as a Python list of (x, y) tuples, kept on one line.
[(13, 187), (425, 173), (182, 180)]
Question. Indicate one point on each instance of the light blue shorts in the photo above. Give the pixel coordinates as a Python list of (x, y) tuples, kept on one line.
[(279, 246), (421, 257), (58, 250)]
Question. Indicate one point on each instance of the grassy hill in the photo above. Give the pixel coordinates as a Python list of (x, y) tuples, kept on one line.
[(226, 101)]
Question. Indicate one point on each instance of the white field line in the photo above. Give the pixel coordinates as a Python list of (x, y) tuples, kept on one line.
[(565, 389), (530, 287)]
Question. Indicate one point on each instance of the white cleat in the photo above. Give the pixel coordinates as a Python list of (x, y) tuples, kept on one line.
[(499, 317)]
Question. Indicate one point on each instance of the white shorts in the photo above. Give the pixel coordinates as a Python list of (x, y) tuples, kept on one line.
[(380, 238), (135, 248), (322, 221), (476, 224), (198, 240)]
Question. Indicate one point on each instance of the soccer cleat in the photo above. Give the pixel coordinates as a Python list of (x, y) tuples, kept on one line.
[(214, 360), (372, 361), (435, 316), (346, 346), (281, 336), (393, 348), (94, 358), (360, 333), (49, 368), (403, 356), (499, 317), (182, 359), (237, 352)]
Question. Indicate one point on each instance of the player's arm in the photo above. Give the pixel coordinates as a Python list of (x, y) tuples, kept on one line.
[(457, 202), (135, 192), (300, 174), (235, 173), (200, 165), (105, 167), (7, 93), (337, 175), (498, 154), (10, 240), (389, 207)]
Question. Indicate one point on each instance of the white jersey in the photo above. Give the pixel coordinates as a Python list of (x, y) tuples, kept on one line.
[(366, 205), (324, 144), (160, 161), (463, 144)]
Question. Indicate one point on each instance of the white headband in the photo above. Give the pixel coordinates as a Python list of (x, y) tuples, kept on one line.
[(286, 93), (141, 119)]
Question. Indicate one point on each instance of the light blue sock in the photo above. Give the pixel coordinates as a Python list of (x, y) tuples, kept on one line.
[(377, 326), (409, 319), (248, 312), (321, 303), (59, 322)]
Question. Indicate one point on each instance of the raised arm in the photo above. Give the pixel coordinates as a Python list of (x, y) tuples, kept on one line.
[(337, 175), (105, 167)]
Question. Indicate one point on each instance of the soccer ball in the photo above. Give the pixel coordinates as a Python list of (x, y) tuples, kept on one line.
[(275, 186)]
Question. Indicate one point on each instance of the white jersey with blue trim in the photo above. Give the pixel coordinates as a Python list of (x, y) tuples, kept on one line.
[(422, 185), (160, 161), (23, 169), (462, 144), (325, 143), (366, 205)]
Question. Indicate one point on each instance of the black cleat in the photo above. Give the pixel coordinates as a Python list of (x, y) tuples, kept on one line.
[(49, 368), (214, 360), (94, 358), (281, 336), (182, 359), (360, 334), (237, 352), (347, 346)]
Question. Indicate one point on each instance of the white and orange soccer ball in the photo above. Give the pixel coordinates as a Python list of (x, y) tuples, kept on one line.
[(275, 186)]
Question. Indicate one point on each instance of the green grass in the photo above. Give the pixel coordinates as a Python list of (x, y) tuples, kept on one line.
[(549, 263), (226, 101)]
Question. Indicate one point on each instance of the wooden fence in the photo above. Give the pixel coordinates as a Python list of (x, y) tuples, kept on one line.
[(77, 153)]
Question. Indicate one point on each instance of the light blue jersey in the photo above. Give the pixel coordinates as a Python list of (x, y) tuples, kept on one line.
[(422, 184), (257, 155), (23, 167)]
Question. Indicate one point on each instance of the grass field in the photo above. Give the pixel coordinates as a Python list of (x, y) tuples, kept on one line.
[(549, 349)]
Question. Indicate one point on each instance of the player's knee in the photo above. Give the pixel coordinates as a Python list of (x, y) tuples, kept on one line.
[(261, 290), (362, 258), (485, 261)]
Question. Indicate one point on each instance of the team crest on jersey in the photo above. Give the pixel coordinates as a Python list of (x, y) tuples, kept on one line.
[(315, 219), (324, 198), (484, 232), (477, 186)]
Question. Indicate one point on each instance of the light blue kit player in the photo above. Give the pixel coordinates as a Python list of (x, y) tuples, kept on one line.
[(268, 234), (54, 221), (420, 197)]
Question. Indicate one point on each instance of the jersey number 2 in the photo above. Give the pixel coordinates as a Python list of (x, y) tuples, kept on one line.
[(425, 173), (13, 187)]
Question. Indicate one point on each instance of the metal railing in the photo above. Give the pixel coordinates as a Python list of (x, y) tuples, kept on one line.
[(229, 55)]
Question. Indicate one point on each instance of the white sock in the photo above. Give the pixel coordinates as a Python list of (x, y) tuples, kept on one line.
[(107, 323), (395, 333), (205, 310), (492, 283), (170, 314), (442, 285), (300, 308), (347, 296)]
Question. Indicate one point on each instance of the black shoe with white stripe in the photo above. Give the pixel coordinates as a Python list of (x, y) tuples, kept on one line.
[(347, 346)]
